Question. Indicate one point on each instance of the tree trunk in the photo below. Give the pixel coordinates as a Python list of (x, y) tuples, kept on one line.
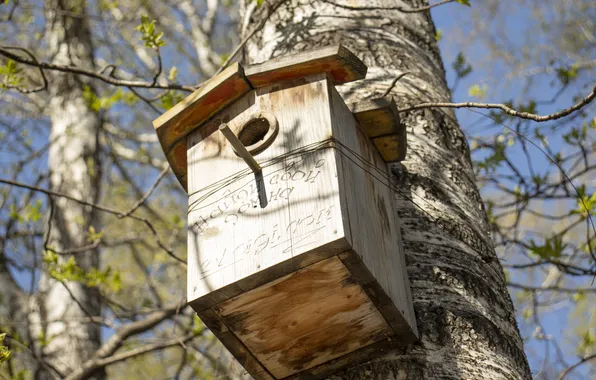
[(464, 313), (66, 307)]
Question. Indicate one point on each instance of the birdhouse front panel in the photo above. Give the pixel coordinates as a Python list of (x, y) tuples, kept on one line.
[(241, 224)]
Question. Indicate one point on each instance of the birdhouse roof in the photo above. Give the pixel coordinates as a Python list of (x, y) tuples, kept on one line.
[(176, 124)]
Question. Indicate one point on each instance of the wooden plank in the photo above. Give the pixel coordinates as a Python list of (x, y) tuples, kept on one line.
[(391, 147), (231, 237), (380, 121), (174, 125), (337, 61), (351, 359), (240, 149), (377, 117), (307, 318), (234, 345), (397, 319), (376, 236)]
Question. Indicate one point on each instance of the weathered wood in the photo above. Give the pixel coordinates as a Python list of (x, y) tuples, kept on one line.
[(231, 341), (240, 149), (392, 147), (230, 236), (305, 319), (173, 126), (337, 61), (375, 231), (377, 117), (380, 121), (353, 358), (316, 272)]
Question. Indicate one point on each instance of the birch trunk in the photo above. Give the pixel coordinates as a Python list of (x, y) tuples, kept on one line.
[(65, 308), (464, 313)]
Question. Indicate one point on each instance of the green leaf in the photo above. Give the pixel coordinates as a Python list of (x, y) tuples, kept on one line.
[(173, 73), (439, 35), (585, 205), (170, 99), (552, 248), (92, 235), (149, 34), (464, 2), (477, 91), (461, 66), (9, 75)]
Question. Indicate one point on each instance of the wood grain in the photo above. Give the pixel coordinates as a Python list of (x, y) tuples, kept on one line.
[(375, 231), (380, 121), (377, 117), (307, 318), (338, 62)]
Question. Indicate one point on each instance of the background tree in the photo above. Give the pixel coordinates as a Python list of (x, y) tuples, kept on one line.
[(92, 245)]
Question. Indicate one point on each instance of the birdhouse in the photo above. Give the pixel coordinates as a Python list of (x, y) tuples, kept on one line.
[(295, 259)]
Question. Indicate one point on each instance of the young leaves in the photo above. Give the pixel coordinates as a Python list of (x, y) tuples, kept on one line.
[(149, 34), (553, 248), (4, 351)]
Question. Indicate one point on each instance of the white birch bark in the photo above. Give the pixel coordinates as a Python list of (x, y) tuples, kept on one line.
[(64, 308), (464, 313)]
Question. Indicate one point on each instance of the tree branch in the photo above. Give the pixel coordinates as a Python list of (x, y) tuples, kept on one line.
[(584, 360), (4, 50), (509, 111), (101, 358), (98, 207)]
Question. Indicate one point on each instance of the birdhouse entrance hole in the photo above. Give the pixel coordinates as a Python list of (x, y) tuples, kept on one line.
[(258, 132)]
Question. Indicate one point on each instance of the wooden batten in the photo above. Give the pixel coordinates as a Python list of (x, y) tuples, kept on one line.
[(380, 121), (339, 63)]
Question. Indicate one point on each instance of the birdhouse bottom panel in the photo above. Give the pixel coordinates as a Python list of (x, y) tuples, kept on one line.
[(300, 321)]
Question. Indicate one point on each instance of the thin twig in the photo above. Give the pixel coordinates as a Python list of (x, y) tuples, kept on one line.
[(4, 50), (103, 356), (98, 207), (584, 360), (261, 24), (392, 84), (148, 193), (508, 110), (43, 76)]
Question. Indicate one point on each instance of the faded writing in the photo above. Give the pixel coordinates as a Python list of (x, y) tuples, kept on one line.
[(279, 242), (232, 204)]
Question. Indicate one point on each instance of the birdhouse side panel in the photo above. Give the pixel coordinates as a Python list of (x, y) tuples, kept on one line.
[(246, 230), (376, 236)]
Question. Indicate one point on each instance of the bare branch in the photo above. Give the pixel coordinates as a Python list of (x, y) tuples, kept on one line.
[(270, 10), (392, 84), (584, 360), (148, 193), (4, 50), (43, 76), (551, 288), (508, 110), (102, 357), (98, 207)]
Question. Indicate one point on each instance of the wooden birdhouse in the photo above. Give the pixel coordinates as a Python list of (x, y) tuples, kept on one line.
[(295, 259)]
